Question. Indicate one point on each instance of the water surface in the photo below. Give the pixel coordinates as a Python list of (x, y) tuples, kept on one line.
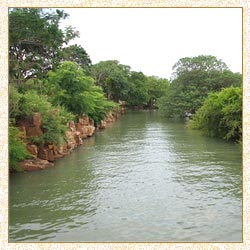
[(143, 179)]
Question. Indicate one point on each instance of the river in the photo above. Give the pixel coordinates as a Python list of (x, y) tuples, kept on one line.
[(143, 179)]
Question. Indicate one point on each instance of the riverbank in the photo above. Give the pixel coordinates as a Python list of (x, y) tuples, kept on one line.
[(43, 156)]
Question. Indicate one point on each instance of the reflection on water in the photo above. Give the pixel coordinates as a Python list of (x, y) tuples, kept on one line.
[(145, 178)]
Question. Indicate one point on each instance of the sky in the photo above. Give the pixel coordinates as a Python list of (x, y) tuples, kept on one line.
[(152, 40)]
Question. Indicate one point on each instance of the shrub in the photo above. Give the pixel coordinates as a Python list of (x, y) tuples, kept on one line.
[(221, 115), (71, 87), (54, 119), (17, 149)]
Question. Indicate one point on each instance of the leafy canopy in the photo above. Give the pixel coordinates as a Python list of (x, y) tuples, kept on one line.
[(70, 86), (112, 77), (35, 41), (194, 79)]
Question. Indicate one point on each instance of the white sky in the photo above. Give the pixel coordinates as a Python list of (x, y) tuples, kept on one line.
[(152, 40)]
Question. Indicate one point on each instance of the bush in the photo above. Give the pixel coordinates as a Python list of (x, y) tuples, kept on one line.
[(71, 87), (17, 149), (54, 119), (221, 115), (14, 102), (33, 84)]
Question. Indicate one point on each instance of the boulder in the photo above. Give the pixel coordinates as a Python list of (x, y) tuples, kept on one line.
[(90, 130), (51, 156), (33, 131), (32, 149), (82, 129), (71, 139), (72, 126), (83, 120), (35, 164), (78, 138), (109, 118), (37, 120), (43, 153), (31, 127), (91, 122)]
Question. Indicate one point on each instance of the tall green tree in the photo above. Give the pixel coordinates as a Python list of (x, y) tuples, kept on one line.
[(76, 53), (193, 80), (138, 89), (35, 41), (204, 63), (69, 86), (113, 78)]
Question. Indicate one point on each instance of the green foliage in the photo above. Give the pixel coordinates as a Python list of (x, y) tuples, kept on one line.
[(221, 115), (199, 63), (53, 129), (113, 78), (157, 88), (14, 102), (119, 83), (194, 79), (76, 53), (17, 150), (171, 104), (31, 102), (138, 91), (54, 119), (35, 41), (71, 87), (33, 84)]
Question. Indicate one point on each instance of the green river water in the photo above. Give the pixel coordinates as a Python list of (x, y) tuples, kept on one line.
[(143, 179)]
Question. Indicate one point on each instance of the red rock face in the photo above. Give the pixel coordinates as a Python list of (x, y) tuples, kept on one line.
[(84, 120), (31, 127), (91, 130), (91, 122), (110, 118), (72, 126), (32, 149), (45, 155), (51, 156)]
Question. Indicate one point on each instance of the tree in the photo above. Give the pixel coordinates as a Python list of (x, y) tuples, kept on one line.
[(70, 87), (156, 89), (221, 115), (199, 63), (35, 41), (138, 91), (194, 79), (113, 78), (76, 53)]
